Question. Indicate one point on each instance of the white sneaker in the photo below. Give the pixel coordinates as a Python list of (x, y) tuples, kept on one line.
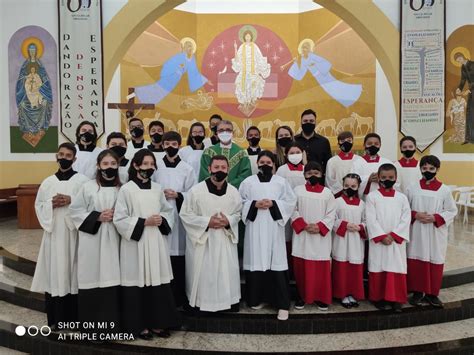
[(259, 306), (283, 314), (351, 299)]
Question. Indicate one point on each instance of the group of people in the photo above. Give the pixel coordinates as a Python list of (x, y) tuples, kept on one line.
[(135, 231)]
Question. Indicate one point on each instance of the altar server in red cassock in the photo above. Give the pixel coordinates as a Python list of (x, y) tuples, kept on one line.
[(388, 219), (348, 244), (433, 210)]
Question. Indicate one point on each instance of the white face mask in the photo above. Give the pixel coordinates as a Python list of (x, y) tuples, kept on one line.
[(225, 137), (295, 159)]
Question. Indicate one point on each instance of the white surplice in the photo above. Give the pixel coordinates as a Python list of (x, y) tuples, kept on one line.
[(337, 167), (86, 162), (428, 242), (385, 215), (314, 207), (145, 262), (192, 157), (212, 263), (180, 179), (56, 268), (98, 254), (264, 243), (363, 168), (131, 150), (407, 176)]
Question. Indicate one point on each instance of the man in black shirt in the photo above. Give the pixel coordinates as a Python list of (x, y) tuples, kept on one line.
[(317, 147)]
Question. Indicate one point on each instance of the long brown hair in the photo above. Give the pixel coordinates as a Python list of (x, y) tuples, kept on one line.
[(101, 156), (279, 151)]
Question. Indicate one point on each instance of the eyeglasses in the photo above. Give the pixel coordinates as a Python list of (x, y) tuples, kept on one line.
[(224, 130)]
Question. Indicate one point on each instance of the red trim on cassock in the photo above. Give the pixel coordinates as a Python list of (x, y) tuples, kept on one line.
[(396, 238), (354, 202), (379, 238), (298, 167), (439, 221), (341, 231), (434, 185), (299, 225), (367, 187), (314, 188), (368, 160), (423, 276), (362, 232), (313, 280), (345, 156), (385, 193), (347, 279), (338, 194), (410, 163), (388, 286), (413, 216), (323, 230)]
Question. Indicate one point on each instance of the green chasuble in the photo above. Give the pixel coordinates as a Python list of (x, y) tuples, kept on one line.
[(239, 163)]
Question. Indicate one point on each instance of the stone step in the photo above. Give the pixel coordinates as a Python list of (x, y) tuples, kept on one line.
[(449, 337)]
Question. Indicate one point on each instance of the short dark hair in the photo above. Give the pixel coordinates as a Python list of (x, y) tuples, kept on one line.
[(134, 119), (215, 115), (291, 145), (218, 157), (138, 159), (172, 136), (267, 153), (68, 146), (313, 165), (190, 137), (116, 135), (387, 167), (430, 159), (459, 54), (344, 135), (254, 128), (80, 125), (372, 135), (156, 123), (308, 112), (408, 138)]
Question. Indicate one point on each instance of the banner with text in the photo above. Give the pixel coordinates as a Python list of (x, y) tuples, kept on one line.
[(422, 70), (80, 65)]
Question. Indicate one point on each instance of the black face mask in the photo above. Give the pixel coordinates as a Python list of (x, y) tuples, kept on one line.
[(146, 173), (373, 150), (308, 127), (219, 175), (65, 163), (266, 170), (314, 180), (137, 132), (198, 139), (109, 173), (408, 153), (156, 138), (87, 137), (388, 184), (214, 130), (254, 141), (346, 146), (350, 192), (119, 150), (283, 142), (172, 151), (428, 175)]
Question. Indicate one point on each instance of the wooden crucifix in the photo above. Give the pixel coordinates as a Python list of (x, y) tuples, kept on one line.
[(131, 106)]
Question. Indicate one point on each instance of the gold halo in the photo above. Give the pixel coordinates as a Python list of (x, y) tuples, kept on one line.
[(306, 40), (188, 39), (462, 50), (246, 28), (32, 40)]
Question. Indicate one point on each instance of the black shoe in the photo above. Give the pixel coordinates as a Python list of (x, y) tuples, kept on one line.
[(346, 304), (299, 304), (416, 299), (162, 333), (146, 336), (397, 307), (381, 305), (322, 306), (434, 301)]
